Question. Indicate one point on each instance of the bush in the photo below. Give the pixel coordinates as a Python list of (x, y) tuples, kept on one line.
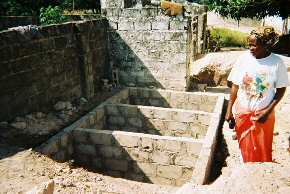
[(52, 15), (228, 38)]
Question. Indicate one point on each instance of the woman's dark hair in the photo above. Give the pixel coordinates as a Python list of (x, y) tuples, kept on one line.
[(265, 36)]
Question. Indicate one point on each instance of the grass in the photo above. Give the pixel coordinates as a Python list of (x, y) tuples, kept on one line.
[(229, 38)]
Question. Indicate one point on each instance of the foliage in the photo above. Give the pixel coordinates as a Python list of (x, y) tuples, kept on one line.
[(32, 7), (93, 5), (228, 38), (51, 15), (250, 8), (24, 7)]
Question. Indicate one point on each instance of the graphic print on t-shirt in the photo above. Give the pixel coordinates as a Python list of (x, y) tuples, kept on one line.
[(255, 86)]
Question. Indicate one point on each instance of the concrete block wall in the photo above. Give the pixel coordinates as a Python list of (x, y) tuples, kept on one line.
[(148, 158), (158, 121), (57, 62), (13, 21), (148, 48), (173, 99)]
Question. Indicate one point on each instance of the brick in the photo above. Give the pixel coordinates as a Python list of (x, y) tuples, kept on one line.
[(177, 126), (80, 136), (125, 24), (116, 120), (118, 165), (161, 181), (101, 138), (148, 12), (138, 155), (157, 124), (147, 143), (187, 173), (51, 148), (129, 111), (135, 122), (60, 156), (86, 149), (162, 157), (160, 23), (135, 177), (61, 42), (193, 148), (145, 168), (112, 110), (183, 116), (97, 163), (65, 140), (185, 160), (70, 149), (169, 171), (110, 151), (178, 25), (114, 173), (100, 113), (146, 112), (133, 92), (155, 102), (162, 114), (169, 145), (113, 24), (126, 140), (130, 13)]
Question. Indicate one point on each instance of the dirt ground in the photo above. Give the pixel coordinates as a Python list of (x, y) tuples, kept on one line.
[(24, 170)]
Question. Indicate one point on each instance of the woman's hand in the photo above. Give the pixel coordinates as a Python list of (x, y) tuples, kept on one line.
[(261, 115), (234, 90), (229, 116)]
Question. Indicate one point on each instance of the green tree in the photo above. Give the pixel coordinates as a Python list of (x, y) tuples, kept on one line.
[(52, 15), (93, 5), (250, 8), (25, 7)]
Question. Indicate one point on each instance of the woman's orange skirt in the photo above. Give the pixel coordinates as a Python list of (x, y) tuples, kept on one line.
[(255, 139)]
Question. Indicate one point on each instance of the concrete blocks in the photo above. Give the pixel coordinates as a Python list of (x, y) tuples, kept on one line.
[(102, 138), (173, 99), (86, 149), (160, 23), (117, 165), (170, 171), (157, 43), (146, 168), (135, 154), (162, 147), (116, 120), (164, 121), (126, 140)]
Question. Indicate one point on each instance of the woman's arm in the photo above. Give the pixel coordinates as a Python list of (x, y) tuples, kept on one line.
[(234, 90), (262, 115)]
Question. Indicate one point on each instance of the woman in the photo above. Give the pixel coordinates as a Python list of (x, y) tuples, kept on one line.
[(259, 80)]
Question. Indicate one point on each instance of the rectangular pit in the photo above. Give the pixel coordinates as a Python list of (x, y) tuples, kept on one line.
[(170, 146), (156, 120), (173, 99), (136, 156)]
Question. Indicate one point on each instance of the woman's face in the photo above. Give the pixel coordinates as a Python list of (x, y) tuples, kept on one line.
[(256, 48)]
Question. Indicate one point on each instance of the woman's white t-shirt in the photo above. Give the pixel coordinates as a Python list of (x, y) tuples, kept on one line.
[(258, 79)]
